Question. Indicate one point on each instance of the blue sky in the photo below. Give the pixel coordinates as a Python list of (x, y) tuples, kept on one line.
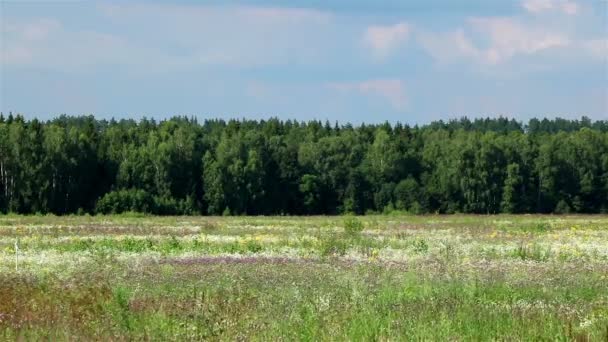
[(350, 60)]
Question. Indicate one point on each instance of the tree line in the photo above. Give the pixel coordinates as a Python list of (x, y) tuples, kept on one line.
[(272, 167)]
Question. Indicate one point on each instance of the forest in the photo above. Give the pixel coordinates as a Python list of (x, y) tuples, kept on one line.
[(180, 166)]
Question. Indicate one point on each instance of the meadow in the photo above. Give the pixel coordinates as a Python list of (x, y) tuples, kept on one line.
[(459, 277)]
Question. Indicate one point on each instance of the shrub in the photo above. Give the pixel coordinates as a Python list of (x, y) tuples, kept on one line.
[(165, 205), (170, 206), (420, 246), (352, 225), (562, 207), (116, 202), (388, 209), (416, 208)]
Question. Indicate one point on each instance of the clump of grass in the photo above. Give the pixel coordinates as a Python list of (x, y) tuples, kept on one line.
[(131, 214), (533, 252), (373, 223), (368, 247), (253, 246), (537, 227), (333, 245), (447, 251)]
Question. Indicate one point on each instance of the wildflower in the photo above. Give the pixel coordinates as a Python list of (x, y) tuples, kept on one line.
[(323, 302), (373, 255), (587, 322)]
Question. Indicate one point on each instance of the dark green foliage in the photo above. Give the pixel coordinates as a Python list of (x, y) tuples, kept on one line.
[(420, 245), (408, 196), (511, 190), (125, 200), (180, 167)]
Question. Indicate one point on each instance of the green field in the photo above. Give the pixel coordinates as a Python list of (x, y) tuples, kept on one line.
[(304, 278)]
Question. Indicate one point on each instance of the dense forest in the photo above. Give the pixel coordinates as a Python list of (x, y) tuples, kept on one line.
[(181, 166)]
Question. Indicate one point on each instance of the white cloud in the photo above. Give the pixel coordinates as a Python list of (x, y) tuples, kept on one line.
[(240, 36), (385, 39), (503, 38), (391, 90), (449, 46), (164, 37), (46, 43), (509, 38), (539, 6)]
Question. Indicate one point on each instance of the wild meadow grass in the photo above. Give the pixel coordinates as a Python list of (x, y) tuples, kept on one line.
[(137, 277)]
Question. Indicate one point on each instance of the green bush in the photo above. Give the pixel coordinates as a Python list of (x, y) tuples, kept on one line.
[(171, 206), (562, 207), (352, 225), (165, 205), (140, 201), (116, 202), (420, 246)]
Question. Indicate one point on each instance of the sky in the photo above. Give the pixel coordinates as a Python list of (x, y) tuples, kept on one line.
[(339, 60)]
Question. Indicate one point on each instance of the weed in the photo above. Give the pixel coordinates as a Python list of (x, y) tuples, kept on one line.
[(420, 246)]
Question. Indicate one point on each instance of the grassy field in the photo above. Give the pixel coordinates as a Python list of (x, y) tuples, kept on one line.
[(304, 278)]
